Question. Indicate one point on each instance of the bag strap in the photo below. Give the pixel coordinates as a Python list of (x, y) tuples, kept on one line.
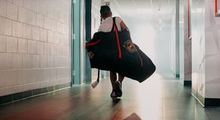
[(115, 29), (113, 24)]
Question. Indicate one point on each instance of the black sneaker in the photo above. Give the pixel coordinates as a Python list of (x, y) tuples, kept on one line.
[(116, 92), (113, 94)]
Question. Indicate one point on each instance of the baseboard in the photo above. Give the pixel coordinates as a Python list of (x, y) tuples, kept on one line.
[(198, 97), (206, 102), (187, 83), (7, 99), (177, 75), (212, 102)]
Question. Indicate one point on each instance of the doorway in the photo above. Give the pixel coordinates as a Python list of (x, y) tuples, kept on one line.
[(81, 32), (75, 44)]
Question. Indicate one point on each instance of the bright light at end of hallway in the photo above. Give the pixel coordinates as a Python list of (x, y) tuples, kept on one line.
[(144, 35), (145, 11)]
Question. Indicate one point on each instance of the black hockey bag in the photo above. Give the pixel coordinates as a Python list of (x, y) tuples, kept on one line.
[(114, 51)]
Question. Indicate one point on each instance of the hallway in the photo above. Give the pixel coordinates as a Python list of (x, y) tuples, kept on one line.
[(156, 99), (45, 72)]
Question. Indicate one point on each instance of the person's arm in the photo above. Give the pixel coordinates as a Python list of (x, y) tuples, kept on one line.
[(123, 26)]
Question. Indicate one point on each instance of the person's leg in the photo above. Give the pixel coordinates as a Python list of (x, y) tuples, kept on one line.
[(113, 78), (118, 85), (120, 78)]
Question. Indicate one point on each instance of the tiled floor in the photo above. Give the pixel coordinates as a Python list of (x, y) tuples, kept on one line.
[(155, 99)]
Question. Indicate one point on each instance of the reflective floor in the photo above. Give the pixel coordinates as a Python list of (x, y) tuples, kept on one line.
[(155, 99)]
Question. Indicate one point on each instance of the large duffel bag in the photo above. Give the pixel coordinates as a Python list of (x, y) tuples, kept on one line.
[(114, 51)]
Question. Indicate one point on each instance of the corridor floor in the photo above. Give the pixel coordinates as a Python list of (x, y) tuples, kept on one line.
[(157, 98)]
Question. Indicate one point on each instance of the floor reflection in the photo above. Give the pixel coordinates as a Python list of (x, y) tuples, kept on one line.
[(158, 98)]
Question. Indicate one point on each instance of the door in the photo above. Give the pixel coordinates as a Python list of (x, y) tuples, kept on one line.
[(75, 44), (81, 32)]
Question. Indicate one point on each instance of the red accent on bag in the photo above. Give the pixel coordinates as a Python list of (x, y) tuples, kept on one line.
[(118, 42), (93, 43)]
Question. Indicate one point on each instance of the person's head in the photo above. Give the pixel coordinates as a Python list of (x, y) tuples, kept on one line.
[(105, 11)]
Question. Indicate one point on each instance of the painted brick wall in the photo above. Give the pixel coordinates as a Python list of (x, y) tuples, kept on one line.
[(34, 44)]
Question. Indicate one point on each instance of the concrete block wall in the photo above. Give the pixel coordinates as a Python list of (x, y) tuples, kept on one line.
[(34, 44)]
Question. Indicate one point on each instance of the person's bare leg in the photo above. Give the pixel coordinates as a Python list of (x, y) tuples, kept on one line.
[(117, 86), (113, 78), (120, 78)]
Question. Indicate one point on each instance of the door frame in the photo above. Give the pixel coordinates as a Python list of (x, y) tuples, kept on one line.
[(75, 42), (81, 29)]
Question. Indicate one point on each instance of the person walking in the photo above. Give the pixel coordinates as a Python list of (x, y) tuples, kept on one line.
[(106, 26)]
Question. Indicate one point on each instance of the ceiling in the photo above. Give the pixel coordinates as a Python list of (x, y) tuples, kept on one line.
[(143, 9)]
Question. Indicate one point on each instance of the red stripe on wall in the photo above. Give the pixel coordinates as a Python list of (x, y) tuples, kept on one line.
[(216, 7)]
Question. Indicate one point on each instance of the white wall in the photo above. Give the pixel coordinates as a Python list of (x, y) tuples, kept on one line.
[(181, 39), (198, 47), (185, 59), (34, 44), (187, 46), (205, 51), (173, 44), (212, 51)]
